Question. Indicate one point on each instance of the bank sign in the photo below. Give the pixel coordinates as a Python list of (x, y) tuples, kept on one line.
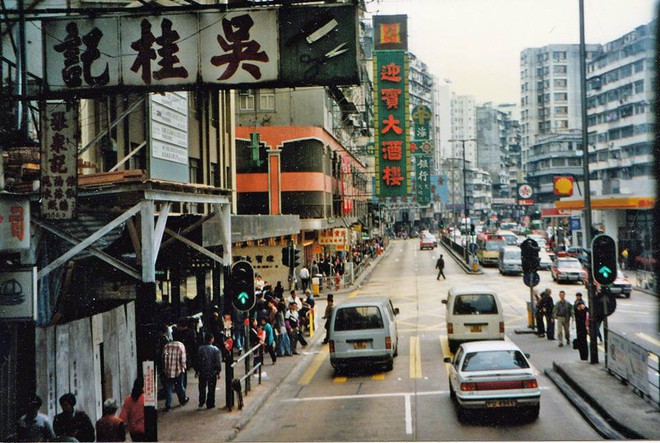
[(289, 46)]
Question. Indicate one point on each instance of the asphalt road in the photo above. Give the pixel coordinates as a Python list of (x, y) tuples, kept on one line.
[(412, 401)]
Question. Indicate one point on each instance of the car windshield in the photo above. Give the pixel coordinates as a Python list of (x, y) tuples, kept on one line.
[(494, 361), (358, 317), (573, 264), (494, 245), (512, 255), (475, 304)]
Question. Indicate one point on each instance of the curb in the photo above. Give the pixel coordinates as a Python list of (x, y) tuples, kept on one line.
[(459, 260), (620, 429)]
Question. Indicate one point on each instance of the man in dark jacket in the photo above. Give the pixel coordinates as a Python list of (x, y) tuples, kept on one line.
[(546, 306), (440, 266), (207, 368), (72, 422)]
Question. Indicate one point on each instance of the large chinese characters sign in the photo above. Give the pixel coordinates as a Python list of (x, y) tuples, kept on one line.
[(391, 138), (59, 174), (241, 47)]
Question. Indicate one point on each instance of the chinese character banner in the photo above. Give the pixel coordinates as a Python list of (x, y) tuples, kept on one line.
[(59, 170), (14, 224), (391, 138), (423, 179), (439, 188), (240, 47)]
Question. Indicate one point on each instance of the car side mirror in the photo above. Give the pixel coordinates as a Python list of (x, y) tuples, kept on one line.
[(444, 301), (447, 359), (527, 355), (396, 311)]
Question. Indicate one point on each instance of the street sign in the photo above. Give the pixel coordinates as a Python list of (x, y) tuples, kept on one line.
[(603, 259), (574, 224), (531, 279)]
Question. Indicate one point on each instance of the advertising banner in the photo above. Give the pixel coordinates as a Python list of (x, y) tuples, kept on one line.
[(18, 294), (336, 237), (14, 224), (423, 179)]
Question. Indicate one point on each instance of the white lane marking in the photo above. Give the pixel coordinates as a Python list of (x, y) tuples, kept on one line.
[(357, 396), (408, 415)]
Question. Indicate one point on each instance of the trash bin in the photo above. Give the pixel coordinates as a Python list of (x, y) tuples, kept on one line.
[(315, 285), (320, 279)]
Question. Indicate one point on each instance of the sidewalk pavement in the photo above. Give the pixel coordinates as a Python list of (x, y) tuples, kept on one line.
[(189, 423)]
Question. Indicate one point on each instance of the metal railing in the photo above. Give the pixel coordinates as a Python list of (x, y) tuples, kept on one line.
[(236, 383)]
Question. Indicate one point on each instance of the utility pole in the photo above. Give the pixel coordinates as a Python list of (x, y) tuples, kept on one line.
[(465, 206), (593, 344)]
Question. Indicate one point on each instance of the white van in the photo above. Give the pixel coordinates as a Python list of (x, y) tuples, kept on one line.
[(363, 330), (510, 261), (473, 313)]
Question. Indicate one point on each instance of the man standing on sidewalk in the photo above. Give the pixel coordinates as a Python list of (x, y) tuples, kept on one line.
[(546, 306), (174, 366), (209, 365), (563, 312)]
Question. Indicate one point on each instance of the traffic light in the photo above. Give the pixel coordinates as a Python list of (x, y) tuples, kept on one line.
[(473, 230), (603, 259), (296, 258), (241, 286), (529, 253), (286, 256)]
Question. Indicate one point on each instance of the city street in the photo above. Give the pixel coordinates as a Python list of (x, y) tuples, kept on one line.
[(412, 401)]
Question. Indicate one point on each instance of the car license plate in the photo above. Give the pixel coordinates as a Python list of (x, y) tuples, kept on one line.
[(500, 403), (475, 328), (360, 345)]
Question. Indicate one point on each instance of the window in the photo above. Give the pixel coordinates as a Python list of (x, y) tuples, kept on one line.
[(358, 317), (559, 69), (476, 303), (246, 100), (494, 360), (560, 96), (559, 83), (267, 99)]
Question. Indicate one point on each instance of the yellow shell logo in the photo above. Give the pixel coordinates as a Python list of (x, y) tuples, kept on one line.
[(564, 186)]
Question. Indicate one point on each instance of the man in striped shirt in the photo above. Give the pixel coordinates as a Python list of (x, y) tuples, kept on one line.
[(174, 367)]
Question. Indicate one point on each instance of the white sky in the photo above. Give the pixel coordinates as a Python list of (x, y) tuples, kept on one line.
[(477, 43)]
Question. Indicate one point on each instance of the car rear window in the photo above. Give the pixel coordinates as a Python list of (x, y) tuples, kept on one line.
[(357, 318), (494, 360), (475, 304)]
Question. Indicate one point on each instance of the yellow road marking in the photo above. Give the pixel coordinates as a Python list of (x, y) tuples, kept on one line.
[(380, 376), (313, 368), (444, 346), (648, 338), (340, 380), (415, 358), (354, 293)]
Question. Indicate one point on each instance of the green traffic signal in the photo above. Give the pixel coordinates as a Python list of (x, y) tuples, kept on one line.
[(241, 286), (603, 259)]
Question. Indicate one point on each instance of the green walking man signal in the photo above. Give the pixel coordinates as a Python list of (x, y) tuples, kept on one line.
[(603, 259), (241, 286)]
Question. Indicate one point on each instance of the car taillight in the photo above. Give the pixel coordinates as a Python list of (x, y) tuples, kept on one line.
[(468, 386), (450, 328), (388, 342), (501, 327), (332, 345), (529, 384)]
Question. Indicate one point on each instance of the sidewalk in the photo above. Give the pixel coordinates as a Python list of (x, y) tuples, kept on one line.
[(188, 423)]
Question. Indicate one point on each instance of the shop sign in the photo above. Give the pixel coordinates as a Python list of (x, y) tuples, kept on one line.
[(14, 224), (334, 237), (423, 179), (18, 294), (421, 117), (439, 188), (59, 167), (149, 383)]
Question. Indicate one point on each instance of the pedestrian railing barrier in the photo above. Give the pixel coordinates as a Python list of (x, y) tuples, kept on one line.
[(256, 356)]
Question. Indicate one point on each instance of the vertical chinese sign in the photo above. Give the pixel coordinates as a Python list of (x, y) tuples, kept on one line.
[(391, 139), (59, 174), (421, 118), (14, 224)]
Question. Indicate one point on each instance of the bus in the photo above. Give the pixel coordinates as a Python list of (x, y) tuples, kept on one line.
[(488, 248)]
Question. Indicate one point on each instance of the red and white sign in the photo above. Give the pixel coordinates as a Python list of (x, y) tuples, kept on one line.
[(149, 383), (525, 191), (59, 168), (14, 224), (525, 202)]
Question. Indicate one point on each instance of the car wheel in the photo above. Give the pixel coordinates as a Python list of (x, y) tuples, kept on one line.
[(627, 295), (389, 365), (452, 393), (534, 412), (396, 350), (462, 414)]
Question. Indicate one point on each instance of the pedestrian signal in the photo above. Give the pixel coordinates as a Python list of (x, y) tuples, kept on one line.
[(241, 286), (529, 254), (603, 259)]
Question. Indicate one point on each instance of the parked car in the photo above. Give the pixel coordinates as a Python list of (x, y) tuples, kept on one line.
[(568, 269), (493, 375), (546, 261), (363, 330)]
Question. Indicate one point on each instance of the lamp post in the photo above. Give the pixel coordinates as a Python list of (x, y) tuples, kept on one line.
[(465, 207)]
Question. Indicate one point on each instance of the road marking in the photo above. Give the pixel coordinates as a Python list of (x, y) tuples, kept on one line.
[(359, 396), (354, 293), (313, 368), (648, 338), (380, 376), (408, 407), (415, 358), (340, 380)]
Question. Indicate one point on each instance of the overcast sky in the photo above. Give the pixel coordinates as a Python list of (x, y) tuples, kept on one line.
[(477, 43)]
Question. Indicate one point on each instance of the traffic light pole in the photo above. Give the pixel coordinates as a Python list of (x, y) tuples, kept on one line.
[(593, 343)]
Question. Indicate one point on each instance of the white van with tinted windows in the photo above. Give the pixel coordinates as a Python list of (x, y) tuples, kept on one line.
[(473, 313), (363, 330), (510, 261)]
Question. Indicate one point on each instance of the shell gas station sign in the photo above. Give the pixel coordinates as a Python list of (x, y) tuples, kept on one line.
[(563, 186)]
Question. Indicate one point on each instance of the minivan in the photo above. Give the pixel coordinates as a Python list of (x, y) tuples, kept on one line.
[(363, 330), (510, 261), (473, 313)]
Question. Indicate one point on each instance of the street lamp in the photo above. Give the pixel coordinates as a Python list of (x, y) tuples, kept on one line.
[(465, 207)]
